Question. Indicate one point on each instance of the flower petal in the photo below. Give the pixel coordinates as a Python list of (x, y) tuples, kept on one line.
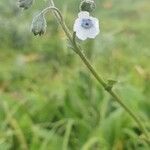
[(81, 34), (83, 14), (93, 32), (77, 25), (96, 22)]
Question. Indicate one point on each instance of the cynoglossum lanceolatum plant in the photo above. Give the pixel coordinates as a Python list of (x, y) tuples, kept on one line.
[(85, 26)]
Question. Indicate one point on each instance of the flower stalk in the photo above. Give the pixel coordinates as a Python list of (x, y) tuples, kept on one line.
[(105, 85)]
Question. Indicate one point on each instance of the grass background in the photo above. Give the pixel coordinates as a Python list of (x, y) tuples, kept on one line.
[(49, 100)]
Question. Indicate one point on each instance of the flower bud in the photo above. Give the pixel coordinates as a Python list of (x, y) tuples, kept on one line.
[(87, 5), (25, 4), (39, 25)]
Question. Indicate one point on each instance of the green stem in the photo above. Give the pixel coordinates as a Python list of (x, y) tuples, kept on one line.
[(78, 50), (112, 93)]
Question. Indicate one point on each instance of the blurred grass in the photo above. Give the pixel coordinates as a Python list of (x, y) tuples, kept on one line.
[(47, 95)]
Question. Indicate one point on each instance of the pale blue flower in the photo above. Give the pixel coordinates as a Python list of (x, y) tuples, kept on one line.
[(86, 26)]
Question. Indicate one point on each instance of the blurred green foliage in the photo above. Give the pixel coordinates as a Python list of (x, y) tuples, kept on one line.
[(49, 101)]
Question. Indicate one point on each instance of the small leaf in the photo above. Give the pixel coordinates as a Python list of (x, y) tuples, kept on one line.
[(110, 84)]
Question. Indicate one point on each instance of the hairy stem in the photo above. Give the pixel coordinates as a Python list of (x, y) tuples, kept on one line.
[(80, 53), (112, 93), (55, 10)]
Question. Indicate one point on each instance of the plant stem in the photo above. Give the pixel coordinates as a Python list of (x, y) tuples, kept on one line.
[(112, 93), (80, 53)]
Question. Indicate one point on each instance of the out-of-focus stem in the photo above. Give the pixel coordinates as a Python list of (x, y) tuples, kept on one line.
[(14, 125)]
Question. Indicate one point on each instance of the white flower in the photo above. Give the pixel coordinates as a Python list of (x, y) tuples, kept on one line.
[(86, 26)]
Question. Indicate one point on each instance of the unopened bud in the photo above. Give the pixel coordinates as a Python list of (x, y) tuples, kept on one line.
[(25, 4), (87, 5), (39, 25)]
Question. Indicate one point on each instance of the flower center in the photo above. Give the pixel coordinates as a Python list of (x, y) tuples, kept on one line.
[(86, 23)]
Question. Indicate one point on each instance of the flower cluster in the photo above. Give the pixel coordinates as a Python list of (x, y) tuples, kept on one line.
[(86, 26)]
